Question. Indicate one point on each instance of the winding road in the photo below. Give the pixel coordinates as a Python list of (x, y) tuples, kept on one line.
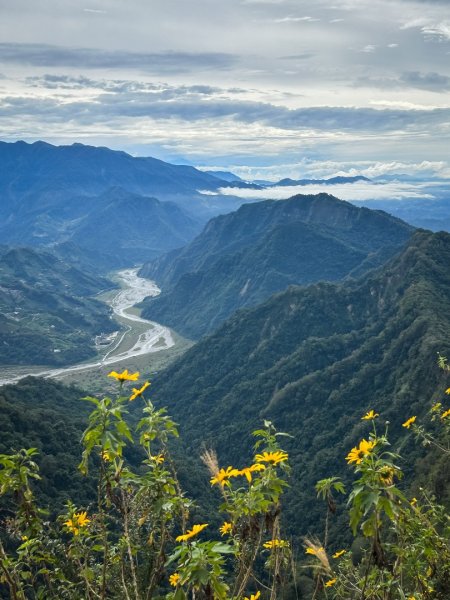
[(155, 338)]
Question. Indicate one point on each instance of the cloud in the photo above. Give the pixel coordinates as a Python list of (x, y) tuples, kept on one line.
[(296, 20), (432, 30), (325, 169), (426, 81), (95, 11), (303, 56), (124, 86), (358, 191), (198, 103), (46, 55), (431, 81)]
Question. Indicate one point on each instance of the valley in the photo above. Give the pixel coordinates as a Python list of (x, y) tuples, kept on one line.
[(128, 347)]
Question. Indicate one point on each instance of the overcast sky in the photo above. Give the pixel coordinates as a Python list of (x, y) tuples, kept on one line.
[(269, 88)]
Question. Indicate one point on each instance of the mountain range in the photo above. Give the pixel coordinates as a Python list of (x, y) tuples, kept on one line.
[(241, 258), (131, 209), (313, 360)]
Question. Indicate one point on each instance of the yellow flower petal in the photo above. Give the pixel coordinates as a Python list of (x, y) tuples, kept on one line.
[(272, 457), (124, 376), (369, 416), (139, 392), (191, 533), (409, 422)]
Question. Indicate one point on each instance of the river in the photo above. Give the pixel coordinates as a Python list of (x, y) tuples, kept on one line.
[(154, 339)]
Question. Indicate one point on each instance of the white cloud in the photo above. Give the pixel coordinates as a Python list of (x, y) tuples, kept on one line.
[(441, 31), (358, 191), (310, 169), (296, 20), (95, 11)]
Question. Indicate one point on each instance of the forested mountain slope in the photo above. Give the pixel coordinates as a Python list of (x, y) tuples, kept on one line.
[(314, 360), (240, 259), (47, 314)]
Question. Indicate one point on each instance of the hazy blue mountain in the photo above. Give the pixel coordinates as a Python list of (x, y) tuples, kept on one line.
[(120, 227), (43, 169), (225, 175), (314, 360), (48, 192), (47, 314), (129, 228), (330, 181), (427, 213), (242, 258)]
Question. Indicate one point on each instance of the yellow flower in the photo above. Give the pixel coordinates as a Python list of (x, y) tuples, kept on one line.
[(174, 579), (139, 392), (225, 528), (222, 475), (77, 522), (409, 422), (338, 554), (445, 414), (369, 416), (313, 551), (124, 376), (330, 582), (447, 391), (247, 471), (196, 529), (276, 543), (253, 596), (82, 518), (436, 407), (72, 526), (158, 459), (357, 454), (413, 502), (272, 457)]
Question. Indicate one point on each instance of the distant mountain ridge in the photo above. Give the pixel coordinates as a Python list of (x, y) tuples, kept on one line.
[(55, 194), (47, 313), (313, 360), (329, 181), (28, 169), (242, 258)]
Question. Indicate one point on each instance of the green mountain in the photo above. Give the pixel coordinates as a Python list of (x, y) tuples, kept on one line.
[(242, 258), (314, 360), (47, 314)]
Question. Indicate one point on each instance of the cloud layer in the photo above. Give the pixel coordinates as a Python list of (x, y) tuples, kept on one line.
[(246, 83)]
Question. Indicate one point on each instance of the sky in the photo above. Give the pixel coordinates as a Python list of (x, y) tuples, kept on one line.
[(266, 88)]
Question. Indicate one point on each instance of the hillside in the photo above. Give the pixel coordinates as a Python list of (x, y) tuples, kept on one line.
[(129, 228), (240, 259), (43, 414), (314, 359), (47, 315)]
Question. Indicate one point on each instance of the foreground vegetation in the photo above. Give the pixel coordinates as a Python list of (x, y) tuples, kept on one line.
[(138, 540)]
